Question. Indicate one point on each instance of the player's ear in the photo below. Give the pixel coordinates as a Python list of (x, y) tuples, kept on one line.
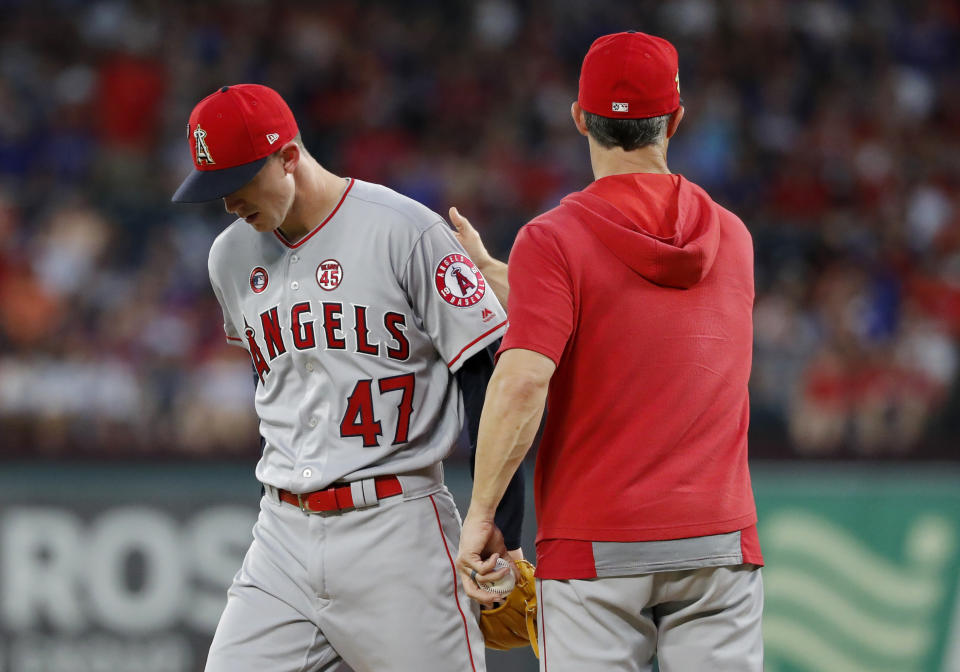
[(577, 113), (674, 121), (290, 156)]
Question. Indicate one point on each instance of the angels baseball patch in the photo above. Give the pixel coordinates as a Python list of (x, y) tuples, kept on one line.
[(459, 281)]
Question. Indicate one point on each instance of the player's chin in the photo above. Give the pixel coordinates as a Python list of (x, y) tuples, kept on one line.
[(260, 223)]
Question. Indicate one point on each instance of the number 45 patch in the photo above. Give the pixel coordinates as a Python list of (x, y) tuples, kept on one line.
[(329, 274)]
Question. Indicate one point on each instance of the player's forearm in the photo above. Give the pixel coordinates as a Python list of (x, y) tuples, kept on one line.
[(511, 417), (495, 273)]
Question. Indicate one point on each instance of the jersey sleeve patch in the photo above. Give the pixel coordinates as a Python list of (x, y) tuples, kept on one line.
[(459, 281)]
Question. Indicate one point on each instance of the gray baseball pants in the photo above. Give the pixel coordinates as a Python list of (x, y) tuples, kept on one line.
[(694, 620), (373, 589)]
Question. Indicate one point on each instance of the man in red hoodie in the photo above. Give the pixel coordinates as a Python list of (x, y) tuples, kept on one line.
[(631, 304)]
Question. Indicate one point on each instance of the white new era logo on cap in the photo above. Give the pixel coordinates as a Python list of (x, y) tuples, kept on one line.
[(272, 137), (620, 107)]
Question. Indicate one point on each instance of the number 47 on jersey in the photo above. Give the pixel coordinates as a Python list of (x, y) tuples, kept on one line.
[(359, 418)]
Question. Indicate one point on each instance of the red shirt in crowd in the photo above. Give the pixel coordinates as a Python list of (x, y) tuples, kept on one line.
[(640, 289)]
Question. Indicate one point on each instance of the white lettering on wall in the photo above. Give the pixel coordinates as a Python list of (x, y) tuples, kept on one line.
[(61, 572), (41, 562), (115, 536)]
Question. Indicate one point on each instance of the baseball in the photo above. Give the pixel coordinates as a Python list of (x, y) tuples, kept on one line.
[(502, 586)]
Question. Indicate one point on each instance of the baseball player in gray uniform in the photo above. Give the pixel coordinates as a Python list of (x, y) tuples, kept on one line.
[(361, 312)]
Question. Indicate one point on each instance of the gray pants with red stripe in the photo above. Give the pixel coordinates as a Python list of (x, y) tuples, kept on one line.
[(373, 589), (698, 619)]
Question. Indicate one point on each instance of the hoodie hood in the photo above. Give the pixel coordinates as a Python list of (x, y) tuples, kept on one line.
[(664, 227)]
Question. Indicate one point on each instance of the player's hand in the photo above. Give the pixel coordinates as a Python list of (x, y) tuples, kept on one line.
[(497, 544), (470, 239), (481, 543)]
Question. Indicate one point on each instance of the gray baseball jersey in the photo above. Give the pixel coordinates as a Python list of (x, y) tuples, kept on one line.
[(354, 331)]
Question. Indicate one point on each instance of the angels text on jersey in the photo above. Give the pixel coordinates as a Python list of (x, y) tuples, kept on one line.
[(330, 325)]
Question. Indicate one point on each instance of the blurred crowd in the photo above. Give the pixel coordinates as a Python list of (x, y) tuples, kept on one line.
[(832, 127)]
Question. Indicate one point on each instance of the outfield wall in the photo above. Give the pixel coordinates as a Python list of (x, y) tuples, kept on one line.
[(123, 567)]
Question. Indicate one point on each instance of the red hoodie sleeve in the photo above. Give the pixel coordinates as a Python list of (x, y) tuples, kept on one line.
[(541, 306)]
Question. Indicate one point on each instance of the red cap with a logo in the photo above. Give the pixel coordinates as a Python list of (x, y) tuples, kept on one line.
[(630, 76), (231, 133)]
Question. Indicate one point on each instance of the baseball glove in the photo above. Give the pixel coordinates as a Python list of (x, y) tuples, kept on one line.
[(514, 623)]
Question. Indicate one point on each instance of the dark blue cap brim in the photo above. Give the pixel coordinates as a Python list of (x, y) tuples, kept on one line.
[(209, 185)]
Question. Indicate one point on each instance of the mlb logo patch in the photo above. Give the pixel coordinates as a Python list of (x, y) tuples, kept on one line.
[(258, 279), (620, 107)]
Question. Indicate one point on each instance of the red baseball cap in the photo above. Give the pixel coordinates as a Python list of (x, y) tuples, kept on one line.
[(630, 76), (231, 134)]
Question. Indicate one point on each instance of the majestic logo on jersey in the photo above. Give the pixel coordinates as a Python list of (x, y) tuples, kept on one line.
[(202, 151), (258, 279), (459, 281), (272, 137), (329, 274), (487, 315)]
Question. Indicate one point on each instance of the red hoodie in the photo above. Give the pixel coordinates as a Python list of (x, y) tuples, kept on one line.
[(640, 289)]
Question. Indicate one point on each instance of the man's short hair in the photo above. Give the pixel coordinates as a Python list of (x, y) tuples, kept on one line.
[(628, 134)]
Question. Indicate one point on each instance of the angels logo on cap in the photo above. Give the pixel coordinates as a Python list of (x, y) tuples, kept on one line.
[(459, 281), (203, 152)]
